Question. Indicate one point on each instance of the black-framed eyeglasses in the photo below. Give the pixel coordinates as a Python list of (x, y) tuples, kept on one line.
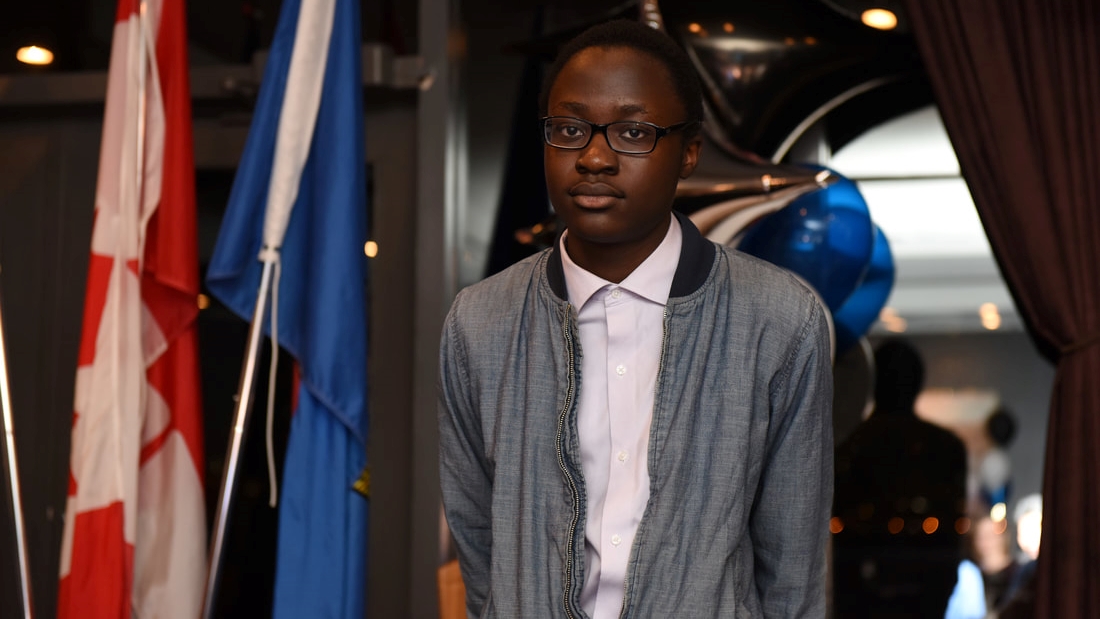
[(629, 137)]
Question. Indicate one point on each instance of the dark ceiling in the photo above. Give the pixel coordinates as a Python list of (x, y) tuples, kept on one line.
[(220, 31)]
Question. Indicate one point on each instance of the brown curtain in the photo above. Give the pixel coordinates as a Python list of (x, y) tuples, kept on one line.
[(1018, 85)]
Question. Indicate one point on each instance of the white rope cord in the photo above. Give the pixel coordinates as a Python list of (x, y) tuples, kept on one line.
[(271, 478)]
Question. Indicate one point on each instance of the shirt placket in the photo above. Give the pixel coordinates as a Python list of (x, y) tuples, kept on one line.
[(618, 517)]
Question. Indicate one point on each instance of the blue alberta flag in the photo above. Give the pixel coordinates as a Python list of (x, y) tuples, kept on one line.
[(321, 313)]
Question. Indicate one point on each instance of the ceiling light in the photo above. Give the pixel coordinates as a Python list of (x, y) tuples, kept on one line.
[(880, 18), (32, 54)]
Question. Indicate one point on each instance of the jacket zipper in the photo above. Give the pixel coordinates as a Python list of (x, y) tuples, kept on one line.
[(660, 369), (561, 461)]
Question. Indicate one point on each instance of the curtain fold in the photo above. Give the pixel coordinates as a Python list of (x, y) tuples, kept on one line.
[(1018, 86)]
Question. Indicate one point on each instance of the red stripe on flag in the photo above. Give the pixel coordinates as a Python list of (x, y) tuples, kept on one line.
[(102, 572), (174, 311), (126, 8), (171, 250), (175, 375), (170, 283), (95, 297)]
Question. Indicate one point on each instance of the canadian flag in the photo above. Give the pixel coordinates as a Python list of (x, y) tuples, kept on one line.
[(135, 532)]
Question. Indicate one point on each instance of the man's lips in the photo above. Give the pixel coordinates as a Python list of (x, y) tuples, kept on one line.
[(594, 195)]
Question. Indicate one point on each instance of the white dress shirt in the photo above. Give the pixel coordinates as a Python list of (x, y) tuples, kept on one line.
[(620, 327)]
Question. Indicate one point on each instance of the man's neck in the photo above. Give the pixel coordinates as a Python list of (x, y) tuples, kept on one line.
[(612, 261)]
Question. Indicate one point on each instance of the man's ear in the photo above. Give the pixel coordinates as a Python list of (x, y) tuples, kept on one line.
[(691, 157)]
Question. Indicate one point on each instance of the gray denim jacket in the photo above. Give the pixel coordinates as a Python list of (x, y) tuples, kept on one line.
[(740, 450)]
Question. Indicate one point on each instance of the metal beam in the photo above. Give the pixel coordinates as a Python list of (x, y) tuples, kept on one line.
[(440, 172)]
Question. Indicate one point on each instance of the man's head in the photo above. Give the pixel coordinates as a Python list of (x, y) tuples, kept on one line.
[(899, 376), (637, 36), (606, 192)]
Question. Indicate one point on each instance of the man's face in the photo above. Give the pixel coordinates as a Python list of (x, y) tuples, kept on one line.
[(605, 197)]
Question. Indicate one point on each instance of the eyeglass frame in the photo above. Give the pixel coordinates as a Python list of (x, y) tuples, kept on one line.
[(597, 128)]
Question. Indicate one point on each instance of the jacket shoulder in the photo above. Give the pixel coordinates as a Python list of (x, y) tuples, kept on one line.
[(768, 286), (487, 299)]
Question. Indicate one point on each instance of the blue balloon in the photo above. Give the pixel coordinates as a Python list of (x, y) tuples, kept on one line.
[(825, 236), (859, 312)]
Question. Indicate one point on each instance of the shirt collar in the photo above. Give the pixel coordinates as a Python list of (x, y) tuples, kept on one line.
[(652, 279)]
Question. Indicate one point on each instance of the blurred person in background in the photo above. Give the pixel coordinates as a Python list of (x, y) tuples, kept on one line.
[(991, 545), (900, 490), (1020, 594)]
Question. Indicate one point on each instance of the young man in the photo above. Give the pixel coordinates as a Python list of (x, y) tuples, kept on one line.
[(636, 422)]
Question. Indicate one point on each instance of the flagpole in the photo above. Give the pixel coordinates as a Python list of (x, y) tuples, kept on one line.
[(245, 396), (13, 480)]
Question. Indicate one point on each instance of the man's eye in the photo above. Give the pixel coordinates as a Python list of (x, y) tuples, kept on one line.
[(571, 131), (636, 133)]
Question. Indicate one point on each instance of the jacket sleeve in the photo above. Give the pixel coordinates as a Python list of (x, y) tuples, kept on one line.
[(789, 520), (465, 473)]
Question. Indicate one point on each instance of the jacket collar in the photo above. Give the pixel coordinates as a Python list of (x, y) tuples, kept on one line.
[(696, 258)]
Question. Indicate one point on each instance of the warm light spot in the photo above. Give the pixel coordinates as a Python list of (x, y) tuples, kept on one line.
[(536, 229), (728, 27), (836, 525), (1000, 527), (32, 54), (962, 526), (370, 249), (891, 321), (880, 18), (204, 301), (998, 512), (695, 28), (789, 40), (810, 41), (930, 525), (991, 318), (895, 525)]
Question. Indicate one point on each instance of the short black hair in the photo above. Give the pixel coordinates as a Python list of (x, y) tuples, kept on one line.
[(643, 38)]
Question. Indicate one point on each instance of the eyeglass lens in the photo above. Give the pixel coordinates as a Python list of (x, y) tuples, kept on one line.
[(624, 137)]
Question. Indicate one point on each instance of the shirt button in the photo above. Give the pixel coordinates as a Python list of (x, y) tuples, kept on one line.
[(620, 370), (616, 293), (616, 540), (623, 456)]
